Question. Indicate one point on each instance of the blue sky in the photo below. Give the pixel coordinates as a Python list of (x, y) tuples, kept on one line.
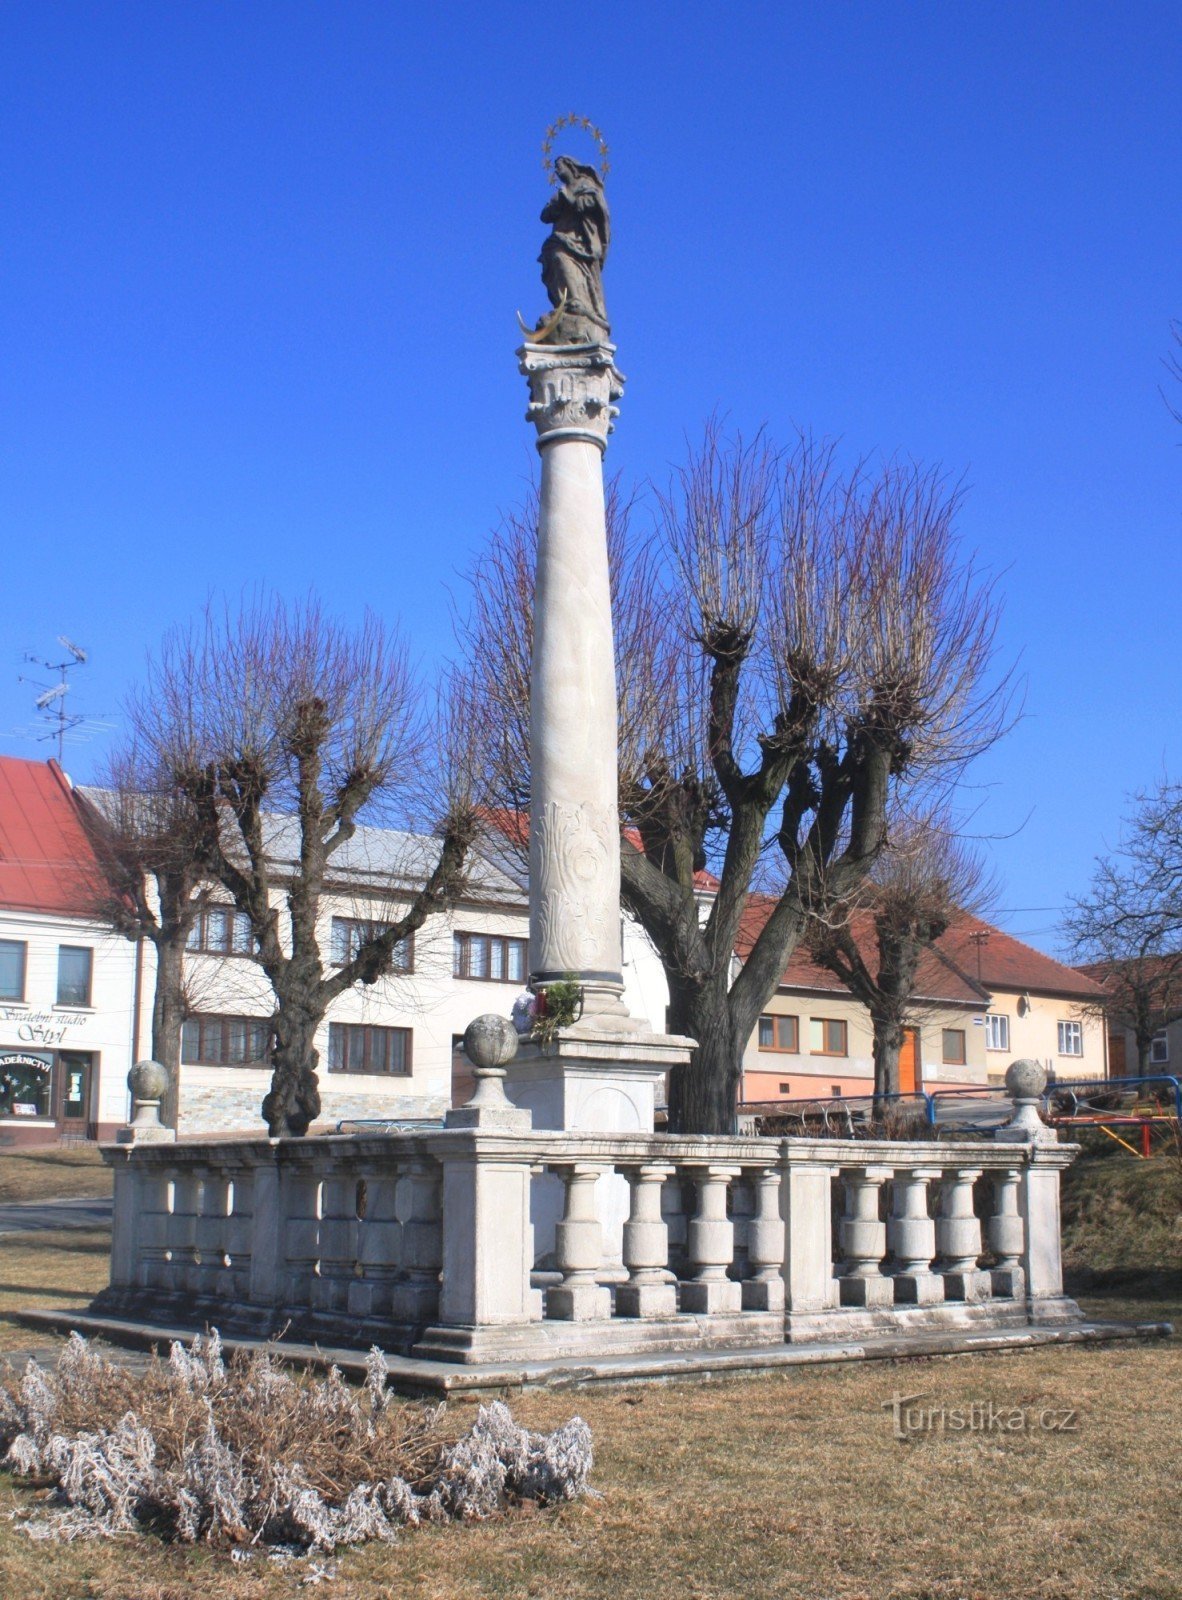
[(260, 264)]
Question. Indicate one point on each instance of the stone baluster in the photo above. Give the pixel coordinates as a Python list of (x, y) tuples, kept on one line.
[(711, 1243), (958, 1237), (763, 1287), (299, 1210), (337, 1266), (863, 1240), (651, 1290), (1005, 1234), (911, 1239), (379, 1245), (578, 1249), (209, 1233), (415, 1298)]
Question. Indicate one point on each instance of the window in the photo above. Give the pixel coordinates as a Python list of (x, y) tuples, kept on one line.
[(225, 1041), (1071, 1038), (488, 956), (954, 1047), (835, 1090), (221, 931), (73, 975), (785, 1088), (350, 933), (12, 969), (779, 1033), (26, 1078), (997, 1032), (1159, 1049), (827, 1037), (353, 1047)]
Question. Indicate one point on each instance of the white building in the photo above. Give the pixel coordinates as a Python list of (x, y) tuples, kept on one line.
[(68, 985)]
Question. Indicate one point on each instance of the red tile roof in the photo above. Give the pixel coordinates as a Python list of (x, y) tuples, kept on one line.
[(1007, 963), (948, 971), (46, 860)]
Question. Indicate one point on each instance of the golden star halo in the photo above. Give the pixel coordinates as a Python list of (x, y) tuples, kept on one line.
[(572, 121)]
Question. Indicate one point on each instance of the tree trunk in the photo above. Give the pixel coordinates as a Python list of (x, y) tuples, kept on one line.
[(888, 1041), (293, 1103), (168, 1016), (704, 1094)]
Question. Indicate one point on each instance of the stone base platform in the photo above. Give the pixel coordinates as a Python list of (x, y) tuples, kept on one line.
[(413, 1376)]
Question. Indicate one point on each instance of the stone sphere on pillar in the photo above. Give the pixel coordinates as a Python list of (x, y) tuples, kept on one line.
[(1025, 1080), (490, 1042), (148, 1080)]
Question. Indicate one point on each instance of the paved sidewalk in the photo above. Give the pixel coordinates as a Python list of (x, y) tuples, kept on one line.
[(54, 1216)]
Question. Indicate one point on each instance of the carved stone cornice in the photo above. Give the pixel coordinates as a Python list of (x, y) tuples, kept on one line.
[(572, 389)]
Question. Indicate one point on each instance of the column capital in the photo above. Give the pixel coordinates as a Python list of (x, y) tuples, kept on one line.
[(573, 389)]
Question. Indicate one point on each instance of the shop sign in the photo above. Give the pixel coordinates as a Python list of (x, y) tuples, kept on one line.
[(42, 1027)]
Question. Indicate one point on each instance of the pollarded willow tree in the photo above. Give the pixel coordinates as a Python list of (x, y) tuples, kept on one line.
[(274, 723), (794, 646), (874, 938)]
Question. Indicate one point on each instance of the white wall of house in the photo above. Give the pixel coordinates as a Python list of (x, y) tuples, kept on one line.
[(85, 1050)]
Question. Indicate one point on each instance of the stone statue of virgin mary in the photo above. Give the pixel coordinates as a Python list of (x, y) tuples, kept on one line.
[(572, 257)]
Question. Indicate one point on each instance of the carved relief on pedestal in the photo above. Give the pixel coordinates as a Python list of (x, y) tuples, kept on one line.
[(575, 873), (572, 390)]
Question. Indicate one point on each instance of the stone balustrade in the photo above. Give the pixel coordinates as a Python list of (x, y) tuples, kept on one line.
[(423, 1242)]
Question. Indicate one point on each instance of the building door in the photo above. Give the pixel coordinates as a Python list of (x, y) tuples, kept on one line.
[(74, 1075), (910, 1072), (1118, 1064)]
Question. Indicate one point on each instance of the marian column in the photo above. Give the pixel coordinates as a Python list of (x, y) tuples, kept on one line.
[(604, 1070), (574, 812)]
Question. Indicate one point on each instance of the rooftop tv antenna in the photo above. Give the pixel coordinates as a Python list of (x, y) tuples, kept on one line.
[(51, 702)]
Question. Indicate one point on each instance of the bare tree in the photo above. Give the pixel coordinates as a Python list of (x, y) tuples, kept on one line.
[(874, 939), (147, 836), (792, 645), (1173, 366), (1127, 930), (274, 721)]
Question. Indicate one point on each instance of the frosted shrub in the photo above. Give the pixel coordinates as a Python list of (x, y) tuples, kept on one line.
[(244, 1452)]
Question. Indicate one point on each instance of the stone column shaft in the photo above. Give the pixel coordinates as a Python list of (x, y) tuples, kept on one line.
[(574, 813)]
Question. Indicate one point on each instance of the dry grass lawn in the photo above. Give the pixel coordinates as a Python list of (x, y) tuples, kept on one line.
[(74, 1171), (786, 1486)]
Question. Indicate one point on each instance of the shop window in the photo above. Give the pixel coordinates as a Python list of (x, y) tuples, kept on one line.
[(26, 1081), (73, 975)]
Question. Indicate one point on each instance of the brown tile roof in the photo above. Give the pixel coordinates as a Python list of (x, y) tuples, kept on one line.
[(46, 860), (948, 971)]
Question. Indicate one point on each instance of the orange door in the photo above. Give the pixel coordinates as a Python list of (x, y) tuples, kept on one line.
[(1117, 1064), (909, 1070)]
